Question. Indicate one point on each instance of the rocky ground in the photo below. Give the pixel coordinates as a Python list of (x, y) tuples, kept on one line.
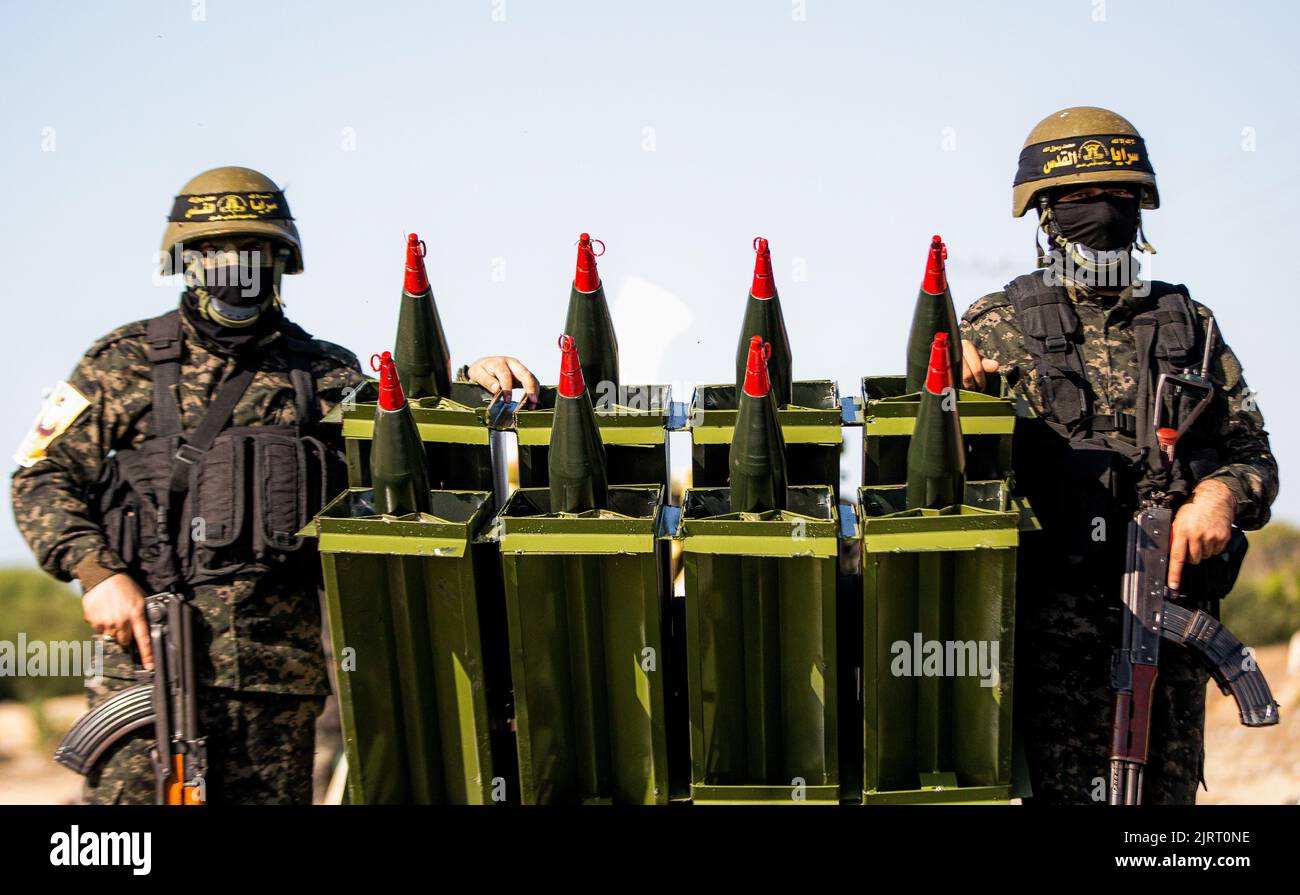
[(1242, 766)]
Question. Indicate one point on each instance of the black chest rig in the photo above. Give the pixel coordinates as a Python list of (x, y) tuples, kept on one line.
[(215, 501), (1083, 472)]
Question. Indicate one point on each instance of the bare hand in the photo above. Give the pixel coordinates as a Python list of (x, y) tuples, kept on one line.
[(1201, 528), (974, 366), (115, 608), (504, 373)]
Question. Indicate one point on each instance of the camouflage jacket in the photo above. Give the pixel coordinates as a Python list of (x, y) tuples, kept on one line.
[(1110, 358), (262, 631)]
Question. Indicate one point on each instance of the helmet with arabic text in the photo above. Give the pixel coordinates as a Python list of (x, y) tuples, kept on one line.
[(1080, 146), (232, 201)]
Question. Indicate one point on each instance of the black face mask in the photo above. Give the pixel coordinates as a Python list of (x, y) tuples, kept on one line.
[(231, 295), (1105, 222)]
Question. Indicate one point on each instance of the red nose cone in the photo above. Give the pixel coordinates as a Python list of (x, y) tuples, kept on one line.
[(940, 375), (390, 389), (764, 286), (571, 381), (756, 381), (417, 281), (585, 276), (936, 277)]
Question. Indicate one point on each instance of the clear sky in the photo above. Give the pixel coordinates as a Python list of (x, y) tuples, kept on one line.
[(845, 132)]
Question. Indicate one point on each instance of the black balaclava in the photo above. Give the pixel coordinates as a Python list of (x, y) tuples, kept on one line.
[(1103, 223), (1096, 235), (228, 315)]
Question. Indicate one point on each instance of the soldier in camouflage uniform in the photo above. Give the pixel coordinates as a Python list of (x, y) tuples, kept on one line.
[(261, 665), (1086, 173)]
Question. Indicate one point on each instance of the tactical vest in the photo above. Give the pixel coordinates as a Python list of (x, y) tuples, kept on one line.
[(214, 502), (1083, 472)]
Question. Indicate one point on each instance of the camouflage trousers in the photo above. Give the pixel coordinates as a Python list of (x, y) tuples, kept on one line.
[(260, 752), (1064, 707)]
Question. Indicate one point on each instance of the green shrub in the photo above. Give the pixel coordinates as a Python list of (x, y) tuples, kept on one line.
[(34, 604), (1264, 607)]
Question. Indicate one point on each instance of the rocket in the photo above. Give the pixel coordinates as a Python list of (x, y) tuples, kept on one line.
[(397, 459), (936, 457), (420, 348), (763, 318), (757, 456), (589, 324), (576, 459), (934, 313)]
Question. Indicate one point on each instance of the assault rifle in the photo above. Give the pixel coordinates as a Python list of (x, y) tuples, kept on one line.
[(166, 699), (1151, 611)]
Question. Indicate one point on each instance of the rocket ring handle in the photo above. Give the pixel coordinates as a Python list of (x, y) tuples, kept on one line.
[(374, 362)]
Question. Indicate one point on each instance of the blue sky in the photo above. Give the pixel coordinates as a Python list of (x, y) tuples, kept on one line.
[(845, 132)]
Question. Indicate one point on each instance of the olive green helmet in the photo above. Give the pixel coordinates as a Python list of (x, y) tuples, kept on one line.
[(1078, 146), (231, 201)]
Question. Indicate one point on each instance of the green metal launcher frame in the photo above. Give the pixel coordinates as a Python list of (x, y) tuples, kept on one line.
[(761, 648), (587, 604)]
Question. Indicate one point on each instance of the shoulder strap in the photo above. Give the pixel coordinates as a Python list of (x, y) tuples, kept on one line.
[(195, 443), (302, 348), (1052, 333), (163, 346)]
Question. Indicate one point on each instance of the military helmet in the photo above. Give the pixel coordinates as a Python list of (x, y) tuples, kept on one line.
[(232, 201), (1079, 146)]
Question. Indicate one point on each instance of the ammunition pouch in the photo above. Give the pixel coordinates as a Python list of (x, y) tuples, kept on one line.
[(246, 497)]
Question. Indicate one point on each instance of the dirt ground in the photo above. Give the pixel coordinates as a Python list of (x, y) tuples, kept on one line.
[(1242, 766)]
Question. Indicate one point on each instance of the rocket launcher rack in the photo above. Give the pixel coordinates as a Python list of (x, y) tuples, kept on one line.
[(761, 648), (456, 432), (588, 614), (634, 431), (939, 631), (417, 630), (887, 415), (810, 425)]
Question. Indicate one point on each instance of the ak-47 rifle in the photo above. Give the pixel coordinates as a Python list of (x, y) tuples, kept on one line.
[(1151, 611), (167, 700)]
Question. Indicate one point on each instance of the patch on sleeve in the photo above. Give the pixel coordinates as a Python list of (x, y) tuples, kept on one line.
[(60, 411)]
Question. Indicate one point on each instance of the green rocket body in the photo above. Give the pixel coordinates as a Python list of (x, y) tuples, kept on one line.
[(576, 459), (420, 348), (397, 464), (763, 318), (934, 313), (757, 457), (589, 323), (936, 457)]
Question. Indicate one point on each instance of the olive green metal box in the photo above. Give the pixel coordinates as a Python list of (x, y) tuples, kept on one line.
[(455, 431), (938, 642), (888, 415), (760, 648), (633, 430), (586, 597), (417, 628), (810, 425)]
